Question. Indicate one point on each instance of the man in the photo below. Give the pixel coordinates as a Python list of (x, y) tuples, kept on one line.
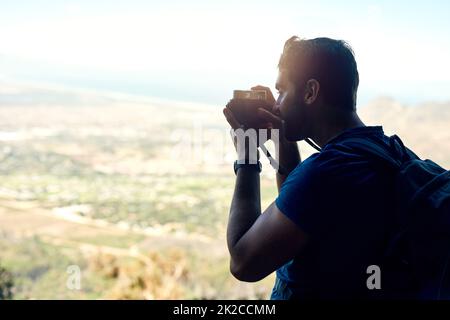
[(334, 212)]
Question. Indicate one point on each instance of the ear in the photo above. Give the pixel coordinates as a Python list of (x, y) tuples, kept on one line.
[(312, 88)]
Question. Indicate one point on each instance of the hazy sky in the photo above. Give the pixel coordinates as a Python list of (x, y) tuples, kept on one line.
[(202, 50)]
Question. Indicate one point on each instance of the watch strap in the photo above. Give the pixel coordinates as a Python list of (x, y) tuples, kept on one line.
[(238, 165)]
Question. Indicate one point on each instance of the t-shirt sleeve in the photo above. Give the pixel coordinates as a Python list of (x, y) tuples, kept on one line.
[(305, 196)]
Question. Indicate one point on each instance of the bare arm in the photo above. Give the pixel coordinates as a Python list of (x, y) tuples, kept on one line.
[(258, 243), (287, 153), (261, 243), (245, 206), (289, 157)]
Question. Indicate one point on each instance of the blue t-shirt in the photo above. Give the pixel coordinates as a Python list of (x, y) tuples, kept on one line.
[(344, 202)]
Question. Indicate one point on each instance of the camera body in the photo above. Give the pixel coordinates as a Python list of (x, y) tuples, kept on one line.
[(245, 105), (249, 94)]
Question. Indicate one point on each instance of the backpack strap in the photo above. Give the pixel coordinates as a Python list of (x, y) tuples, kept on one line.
[(394, 155), (407, 246)]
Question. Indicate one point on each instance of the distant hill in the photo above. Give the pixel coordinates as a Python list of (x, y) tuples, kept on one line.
[(424, 128)]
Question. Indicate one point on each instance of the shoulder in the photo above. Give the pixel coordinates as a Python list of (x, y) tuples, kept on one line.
[(332, 158), (333, 165)]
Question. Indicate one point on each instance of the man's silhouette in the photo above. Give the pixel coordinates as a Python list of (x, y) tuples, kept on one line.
[(334, 212)]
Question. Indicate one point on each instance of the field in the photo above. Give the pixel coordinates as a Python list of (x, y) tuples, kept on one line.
[(123, 189), (135, 192)]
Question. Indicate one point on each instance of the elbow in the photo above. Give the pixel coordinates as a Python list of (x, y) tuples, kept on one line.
[(243, 273), (236, 271)]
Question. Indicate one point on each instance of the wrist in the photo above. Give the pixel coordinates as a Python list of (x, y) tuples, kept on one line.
[(239, 164), (288, 156), (284, 143)]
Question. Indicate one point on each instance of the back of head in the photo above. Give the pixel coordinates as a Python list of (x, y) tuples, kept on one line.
[(331, 62)]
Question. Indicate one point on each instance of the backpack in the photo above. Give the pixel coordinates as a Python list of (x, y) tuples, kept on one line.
[(416, 262)]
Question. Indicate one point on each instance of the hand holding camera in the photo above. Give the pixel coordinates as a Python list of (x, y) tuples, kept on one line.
[(244, 107), (254, 109)]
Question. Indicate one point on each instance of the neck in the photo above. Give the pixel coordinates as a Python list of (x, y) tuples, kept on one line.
[(334, 124)]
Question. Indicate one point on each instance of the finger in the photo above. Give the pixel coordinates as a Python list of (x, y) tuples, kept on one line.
[(234, 123), (233, 137), (268, 116), (270, 96), (231, 119)]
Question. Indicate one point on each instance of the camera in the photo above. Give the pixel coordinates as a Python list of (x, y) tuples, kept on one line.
[(245, 105), (249, 94)]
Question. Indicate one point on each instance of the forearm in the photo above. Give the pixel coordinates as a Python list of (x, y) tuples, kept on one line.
[(289, 157), (245, 206)]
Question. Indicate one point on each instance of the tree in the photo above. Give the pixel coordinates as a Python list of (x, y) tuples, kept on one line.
[(6, 284)]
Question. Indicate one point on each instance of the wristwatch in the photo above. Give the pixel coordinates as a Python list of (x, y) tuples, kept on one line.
[(238, 165)]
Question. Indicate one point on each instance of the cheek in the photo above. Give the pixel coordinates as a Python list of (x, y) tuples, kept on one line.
[(295, 120), (289, 109), (285, 107)]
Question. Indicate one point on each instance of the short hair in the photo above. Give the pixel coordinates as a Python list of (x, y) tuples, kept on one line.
[(329, 61)]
